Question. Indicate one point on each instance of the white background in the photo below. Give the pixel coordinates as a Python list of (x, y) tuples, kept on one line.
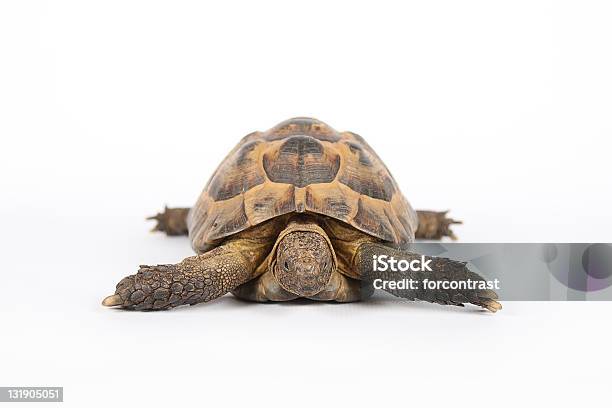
[(499, 111)]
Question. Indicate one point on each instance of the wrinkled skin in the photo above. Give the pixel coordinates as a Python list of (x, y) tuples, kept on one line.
[(304, 263)]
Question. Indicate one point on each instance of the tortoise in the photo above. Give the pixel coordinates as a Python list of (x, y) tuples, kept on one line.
[(298, 211)]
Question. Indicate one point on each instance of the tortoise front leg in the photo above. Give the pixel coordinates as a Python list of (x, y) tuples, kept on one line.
[(435, 225), (196, 279), (442, 269), (173, 221)]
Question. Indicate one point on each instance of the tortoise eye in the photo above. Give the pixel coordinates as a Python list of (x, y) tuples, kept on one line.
[(286, 266)]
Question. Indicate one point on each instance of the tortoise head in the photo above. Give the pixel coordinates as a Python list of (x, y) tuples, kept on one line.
[(304, 262)]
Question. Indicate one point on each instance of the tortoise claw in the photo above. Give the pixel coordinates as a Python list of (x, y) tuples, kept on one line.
[(491, 305), (112, 300)]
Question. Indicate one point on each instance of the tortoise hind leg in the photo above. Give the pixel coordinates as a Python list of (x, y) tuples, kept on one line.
[(173, 221), (435, 225)]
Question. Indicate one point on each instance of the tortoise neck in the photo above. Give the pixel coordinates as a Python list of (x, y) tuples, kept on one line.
[(303, 222)]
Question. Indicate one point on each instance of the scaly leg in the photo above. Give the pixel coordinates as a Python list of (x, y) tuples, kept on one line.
[(442, 269), (196, 279), (173, 221), (435, 225)]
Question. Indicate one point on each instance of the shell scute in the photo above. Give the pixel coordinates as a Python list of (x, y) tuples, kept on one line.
[(300, 161)]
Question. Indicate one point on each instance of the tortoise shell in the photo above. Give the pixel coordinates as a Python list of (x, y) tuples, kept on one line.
[(301, 165)]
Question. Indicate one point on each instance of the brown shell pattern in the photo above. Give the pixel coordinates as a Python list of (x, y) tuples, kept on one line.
[(301, 165)]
